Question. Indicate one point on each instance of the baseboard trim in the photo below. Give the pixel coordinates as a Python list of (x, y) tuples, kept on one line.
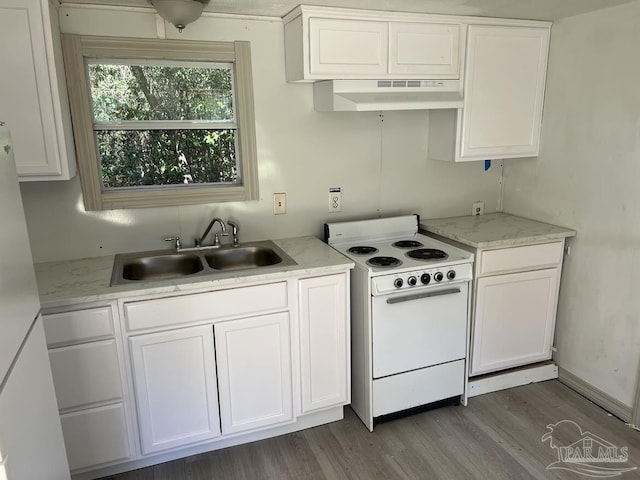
[(597, 396), (516, 377)]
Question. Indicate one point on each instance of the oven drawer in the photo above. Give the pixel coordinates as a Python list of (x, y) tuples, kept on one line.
[(419, 387), (419, 328)]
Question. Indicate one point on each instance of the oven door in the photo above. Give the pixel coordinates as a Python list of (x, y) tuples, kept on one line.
[(419, 328)]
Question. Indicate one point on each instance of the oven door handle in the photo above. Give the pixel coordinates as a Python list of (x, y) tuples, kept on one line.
[(418, 296)]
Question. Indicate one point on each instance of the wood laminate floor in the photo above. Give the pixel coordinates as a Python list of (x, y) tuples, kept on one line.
[(497, 436)]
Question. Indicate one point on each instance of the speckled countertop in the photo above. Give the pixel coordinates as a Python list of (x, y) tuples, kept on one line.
[(494, 230), (87, 280)]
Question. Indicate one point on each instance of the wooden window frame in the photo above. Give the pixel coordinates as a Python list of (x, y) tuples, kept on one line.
[(78, 47)]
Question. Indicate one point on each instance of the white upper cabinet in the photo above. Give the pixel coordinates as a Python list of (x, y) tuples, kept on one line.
[(33, 91), (503, 91), (330, 43), (424, 49), (347, 47)]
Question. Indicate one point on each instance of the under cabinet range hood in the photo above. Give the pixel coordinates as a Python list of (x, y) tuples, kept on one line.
[(380, 95)]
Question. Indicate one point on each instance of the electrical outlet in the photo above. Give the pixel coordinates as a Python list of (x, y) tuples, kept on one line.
[(279, 203), (335, 199), (478, 208)]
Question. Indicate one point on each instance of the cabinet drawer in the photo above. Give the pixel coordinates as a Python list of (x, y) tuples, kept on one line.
[(520, 258), (96, 436), (86, 374), (79, 326), (206, 306)]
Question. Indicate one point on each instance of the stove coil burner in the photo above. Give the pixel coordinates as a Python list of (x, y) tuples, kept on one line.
[(386, 262), (363, 250), (427, 254), (407, 244)]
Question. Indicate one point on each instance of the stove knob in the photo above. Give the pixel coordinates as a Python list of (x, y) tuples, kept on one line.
[(451, 274), (398, 282), (425, 278), (412, 281), (438, 277)]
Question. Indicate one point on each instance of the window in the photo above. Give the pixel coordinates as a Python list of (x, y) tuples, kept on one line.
[(161, 122)]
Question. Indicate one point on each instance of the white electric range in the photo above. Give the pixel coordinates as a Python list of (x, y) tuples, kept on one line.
[(409, 316)]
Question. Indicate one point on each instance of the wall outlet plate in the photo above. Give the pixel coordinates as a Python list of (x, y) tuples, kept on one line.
[(335, 199), (279, 203), (478, 208)]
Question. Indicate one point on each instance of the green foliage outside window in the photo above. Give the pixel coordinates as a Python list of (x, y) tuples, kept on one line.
[(132, 107)]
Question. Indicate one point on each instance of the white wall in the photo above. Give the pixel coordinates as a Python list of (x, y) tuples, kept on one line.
[(380, 162), (588, 178)]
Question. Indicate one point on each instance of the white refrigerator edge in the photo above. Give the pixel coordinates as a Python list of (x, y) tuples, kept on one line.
[(31, 442)]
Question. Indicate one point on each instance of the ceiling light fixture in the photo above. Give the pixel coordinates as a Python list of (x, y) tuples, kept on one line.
[(179, 12)]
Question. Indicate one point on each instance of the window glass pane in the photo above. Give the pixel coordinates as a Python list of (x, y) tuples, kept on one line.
[(132, 158), (128, 91)]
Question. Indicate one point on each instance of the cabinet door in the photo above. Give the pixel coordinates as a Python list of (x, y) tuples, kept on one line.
[(254, 372), (33, 97), (175, 384), (347, 47), (424, 48), (324, 342), (504, 91), (96, 436), (514, 319)]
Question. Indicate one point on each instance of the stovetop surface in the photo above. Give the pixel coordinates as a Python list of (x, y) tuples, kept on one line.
[(376, 238), (385, 248)]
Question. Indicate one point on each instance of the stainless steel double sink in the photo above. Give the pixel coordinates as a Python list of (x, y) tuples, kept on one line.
[(169, 264)]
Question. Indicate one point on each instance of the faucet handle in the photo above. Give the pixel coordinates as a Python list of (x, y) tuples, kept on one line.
[(176, 239), (234, 232)]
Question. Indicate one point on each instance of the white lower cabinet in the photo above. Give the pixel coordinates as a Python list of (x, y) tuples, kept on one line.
[(174, 378), (85, 358), (95, 436), (199, 371), (514, 319), (514, 305), (254, 372), (324, 342)]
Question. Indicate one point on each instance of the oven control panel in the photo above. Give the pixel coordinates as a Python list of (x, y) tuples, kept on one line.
[(418, 279)]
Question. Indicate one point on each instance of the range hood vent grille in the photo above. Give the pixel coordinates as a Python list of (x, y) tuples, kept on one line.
[(410, 83), (381, 95)]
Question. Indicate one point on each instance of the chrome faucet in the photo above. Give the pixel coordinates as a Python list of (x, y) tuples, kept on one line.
[(234, 232), (178, 245), (216, 237)]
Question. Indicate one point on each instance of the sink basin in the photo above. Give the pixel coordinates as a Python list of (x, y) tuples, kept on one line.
[(167, 264), (242, 257), (161, 266)]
